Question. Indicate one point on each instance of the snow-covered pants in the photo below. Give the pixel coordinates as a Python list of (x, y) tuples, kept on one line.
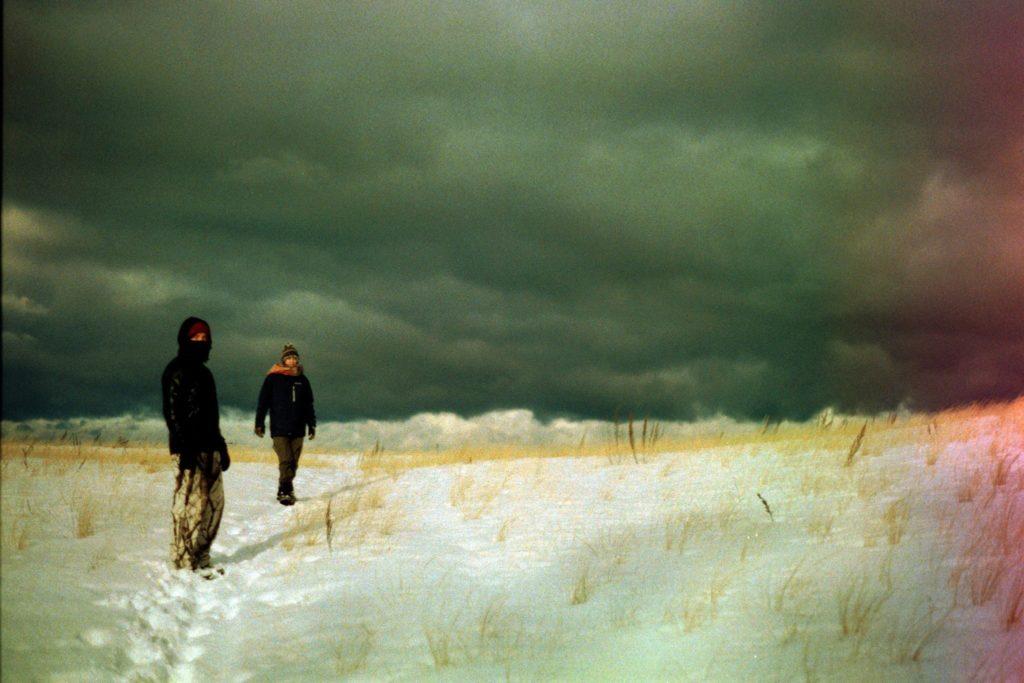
[(196, 511), (288, 450)]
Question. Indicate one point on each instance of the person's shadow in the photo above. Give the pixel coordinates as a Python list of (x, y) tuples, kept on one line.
[(248, 552)]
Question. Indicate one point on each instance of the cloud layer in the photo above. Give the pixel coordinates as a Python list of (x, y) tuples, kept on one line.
[(670, 208)]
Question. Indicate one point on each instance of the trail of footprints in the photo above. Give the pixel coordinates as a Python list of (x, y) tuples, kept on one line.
[(172, 617), (170, 620)]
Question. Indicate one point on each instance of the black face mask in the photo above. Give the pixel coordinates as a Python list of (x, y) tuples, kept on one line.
[(196, 351)]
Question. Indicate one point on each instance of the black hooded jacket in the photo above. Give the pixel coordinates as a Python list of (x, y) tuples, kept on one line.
[(190, 398)]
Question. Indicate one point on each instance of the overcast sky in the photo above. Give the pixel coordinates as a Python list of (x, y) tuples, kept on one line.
[(575, 208)]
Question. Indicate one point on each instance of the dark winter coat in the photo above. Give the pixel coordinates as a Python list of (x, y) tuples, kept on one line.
[(289, 399), (190, 399)]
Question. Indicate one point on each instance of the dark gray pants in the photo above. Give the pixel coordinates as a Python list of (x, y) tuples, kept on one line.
[(288, 450)]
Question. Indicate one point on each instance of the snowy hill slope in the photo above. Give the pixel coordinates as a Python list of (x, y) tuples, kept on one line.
[(905, 564)]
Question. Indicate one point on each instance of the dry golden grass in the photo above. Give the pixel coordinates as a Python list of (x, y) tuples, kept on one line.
[(725, 517), (353, 649), (16, 531), (613, 547), (1002, 458), (870, 483), (679, 527), (993, 557), (717, 587), (494, 635), (376, 462), (582, 586), (1004, 524), (909, 633), (874, 533), (855, 446), (984, 579), (103, 557), (83, 501), (968, 484), (374, 498), (459, 491), (896, 515), (84, 507), (502, 535), (844, 440), (692, 613), (820, 523), (791, 593), (473, 495), (1011, 612), (859, 605), (305, 527), (440, 643), (361, 498), (816, 483), (389, 521), (697, 607), (64, 457), (487, 632), (344, 520), (668, 467)]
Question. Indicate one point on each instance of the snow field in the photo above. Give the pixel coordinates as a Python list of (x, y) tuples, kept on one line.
[(905, 564)]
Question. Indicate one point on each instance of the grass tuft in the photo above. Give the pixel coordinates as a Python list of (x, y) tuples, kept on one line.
[(439, 642), (1012, 609), (680, 527), (353, 649), (84, 509), (502, 534), (909, 635), (582, 585), (895, 517), (859, 606), (855, 446), (16, 534)]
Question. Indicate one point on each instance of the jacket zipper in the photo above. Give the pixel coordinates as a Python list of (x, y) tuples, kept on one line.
[(293, 393)]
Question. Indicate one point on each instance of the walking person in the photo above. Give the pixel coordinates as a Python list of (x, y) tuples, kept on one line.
[(193, 425), (288, 396)]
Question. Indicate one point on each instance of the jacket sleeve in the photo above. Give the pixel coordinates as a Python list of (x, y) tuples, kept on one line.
[(310, 413), (263, 403), (175, 410), (220, 444)]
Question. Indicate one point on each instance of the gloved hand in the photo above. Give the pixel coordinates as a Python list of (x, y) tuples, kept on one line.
[(312, 433), (225, 459), (206, 462), (259, 431)]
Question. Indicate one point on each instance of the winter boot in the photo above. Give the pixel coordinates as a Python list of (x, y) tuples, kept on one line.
[(210, 573), (286, 497)]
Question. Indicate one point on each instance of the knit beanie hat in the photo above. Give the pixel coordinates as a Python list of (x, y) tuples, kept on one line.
[(288, 350), (197, 327)]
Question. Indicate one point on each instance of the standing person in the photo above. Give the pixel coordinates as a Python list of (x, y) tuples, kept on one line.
[(193, 425), (287, 394)]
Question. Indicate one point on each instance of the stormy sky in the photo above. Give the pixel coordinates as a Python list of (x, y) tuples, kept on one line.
[(674, 209)]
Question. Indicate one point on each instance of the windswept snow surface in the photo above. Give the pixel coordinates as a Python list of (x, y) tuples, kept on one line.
[(534, 569)]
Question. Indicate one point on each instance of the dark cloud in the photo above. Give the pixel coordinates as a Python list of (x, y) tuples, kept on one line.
[(667, 207)]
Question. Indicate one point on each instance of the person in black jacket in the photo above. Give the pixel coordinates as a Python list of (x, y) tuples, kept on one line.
[(288, 396), (193, 425)]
